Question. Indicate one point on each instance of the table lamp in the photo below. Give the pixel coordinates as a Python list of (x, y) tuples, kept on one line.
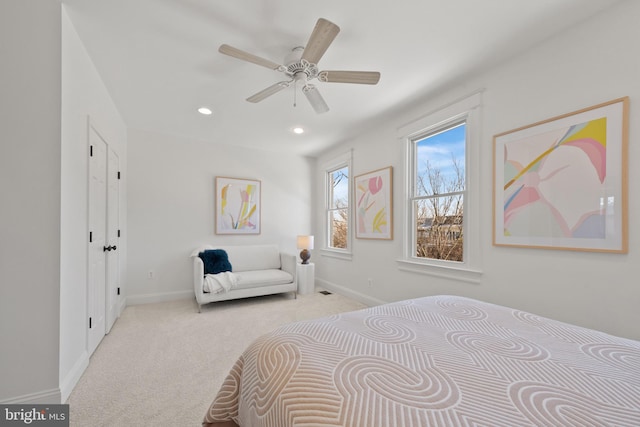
[(305, 243)]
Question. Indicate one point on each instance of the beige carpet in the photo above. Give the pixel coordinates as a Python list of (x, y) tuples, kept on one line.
[(162, 364)]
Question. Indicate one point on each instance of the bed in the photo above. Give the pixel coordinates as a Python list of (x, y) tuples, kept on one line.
[(433, 361)]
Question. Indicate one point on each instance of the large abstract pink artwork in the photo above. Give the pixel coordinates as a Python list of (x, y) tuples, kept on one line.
[(561, 183)]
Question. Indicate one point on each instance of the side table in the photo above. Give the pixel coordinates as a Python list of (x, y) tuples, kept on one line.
[(306, 278)]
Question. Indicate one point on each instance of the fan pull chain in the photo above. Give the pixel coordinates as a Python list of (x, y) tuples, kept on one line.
[(295, 92)]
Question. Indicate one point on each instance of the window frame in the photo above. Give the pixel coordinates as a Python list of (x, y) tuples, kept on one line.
[(328, 168), (465, 110), (413, 190)]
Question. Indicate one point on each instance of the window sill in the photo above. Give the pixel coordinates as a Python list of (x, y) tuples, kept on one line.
[(347, 256), (460, 273)]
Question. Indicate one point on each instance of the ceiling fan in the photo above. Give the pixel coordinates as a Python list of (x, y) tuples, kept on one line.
[(300, 66)]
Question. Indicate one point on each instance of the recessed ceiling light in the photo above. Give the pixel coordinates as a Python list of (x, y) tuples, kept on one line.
[(298, 130), (204, 110)]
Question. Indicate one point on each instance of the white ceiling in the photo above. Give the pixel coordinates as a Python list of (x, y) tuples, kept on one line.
[(159, 58)]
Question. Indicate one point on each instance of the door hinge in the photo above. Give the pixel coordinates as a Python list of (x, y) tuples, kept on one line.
[(90, 236), (118, 174), (89, 322), (118, 233), (118, 291), (91, 151)]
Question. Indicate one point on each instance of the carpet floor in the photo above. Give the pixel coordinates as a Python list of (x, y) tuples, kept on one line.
[(163, 363)]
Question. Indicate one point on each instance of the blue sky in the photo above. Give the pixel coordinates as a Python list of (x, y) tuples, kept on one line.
[(341, 191), (440, 149)]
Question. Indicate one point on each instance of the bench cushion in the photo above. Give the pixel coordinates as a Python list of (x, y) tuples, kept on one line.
[(257, 278)]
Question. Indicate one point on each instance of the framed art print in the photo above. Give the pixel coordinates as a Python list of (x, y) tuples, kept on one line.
[(374, 204), (237, 206), (562, 183)]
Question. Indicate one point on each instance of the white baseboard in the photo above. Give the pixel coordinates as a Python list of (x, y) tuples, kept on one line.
[(41, 397), (159, 297), (349, 293), (70, 381), (122, 303)]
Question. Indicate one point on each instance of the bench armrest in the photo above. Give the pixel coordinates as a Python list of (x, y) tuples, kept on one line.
[(288, 263), (198, 277)]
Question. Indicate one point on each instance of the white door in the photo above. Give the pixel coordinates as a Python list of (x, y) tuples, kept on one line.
[(97, 239), (113, 233)]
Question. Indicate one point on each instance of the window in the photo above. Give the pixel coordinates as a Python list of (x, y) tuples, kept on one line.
[(337, 212), (441, 231), (438, 193)]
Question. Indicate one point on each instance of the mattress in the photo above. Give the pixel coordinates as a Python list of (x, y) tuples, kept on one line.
[(434, 361)]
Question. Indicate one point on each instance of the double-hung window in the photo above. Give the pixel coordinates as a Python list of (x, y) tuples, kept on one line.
[(438, 192), (441, 231), (337, 212)]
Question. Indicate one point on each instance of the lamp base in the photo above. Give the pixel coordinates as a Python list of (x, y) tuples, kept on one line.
[(304, 256)]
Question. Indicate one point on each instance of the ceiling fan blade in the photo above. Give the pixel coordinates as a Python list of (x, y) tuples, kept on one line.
[(359, 77), (246, 56), (320, 39), (269, 91), (315, 99)]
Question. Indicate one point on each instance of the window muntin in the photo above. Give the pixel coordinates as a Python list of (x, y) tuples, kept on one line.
[(438, 186)]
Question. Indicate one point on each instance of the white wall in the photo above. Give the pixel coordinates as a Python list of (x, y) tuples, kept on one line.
[(83, 95), (586, 65), (171, 206), (29, 200)]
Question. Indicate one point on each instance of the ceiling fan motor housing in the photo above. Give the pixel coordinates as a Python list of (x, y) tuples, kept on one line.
[(295, 65)]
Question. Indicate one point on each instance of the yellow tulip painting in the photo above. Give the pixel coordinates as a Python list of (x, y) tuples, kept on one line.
[(237, 206)]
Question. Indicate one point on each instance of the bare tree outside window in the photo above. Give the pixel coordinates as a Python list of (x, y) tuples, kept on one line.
[(439, 195), (339, 230)]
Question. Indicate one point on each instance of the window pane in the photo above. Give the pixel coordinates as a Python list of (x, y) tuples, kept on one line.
[(440, 161), (339, 187), (338, 228), (439, 233)]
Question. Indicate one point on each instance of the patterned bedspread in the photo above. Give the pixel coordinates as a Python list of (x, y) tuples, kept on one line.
[(435, 361)]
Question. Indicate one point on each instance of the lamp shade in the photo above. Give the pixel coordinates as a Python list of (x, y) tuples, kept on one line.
[(305, 242)]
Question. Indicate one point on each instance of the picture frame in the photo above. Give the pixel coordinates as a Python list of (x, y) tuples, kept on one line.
[(374, 204), (238, 206), (562, 183)]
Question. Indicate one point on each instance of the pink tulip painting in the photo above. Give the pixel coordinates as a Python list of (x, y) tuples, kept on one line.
[(374, 205)]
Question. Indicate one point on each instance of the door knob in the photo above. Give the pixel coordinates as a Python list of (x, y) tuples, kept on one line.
[(108, 248)]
